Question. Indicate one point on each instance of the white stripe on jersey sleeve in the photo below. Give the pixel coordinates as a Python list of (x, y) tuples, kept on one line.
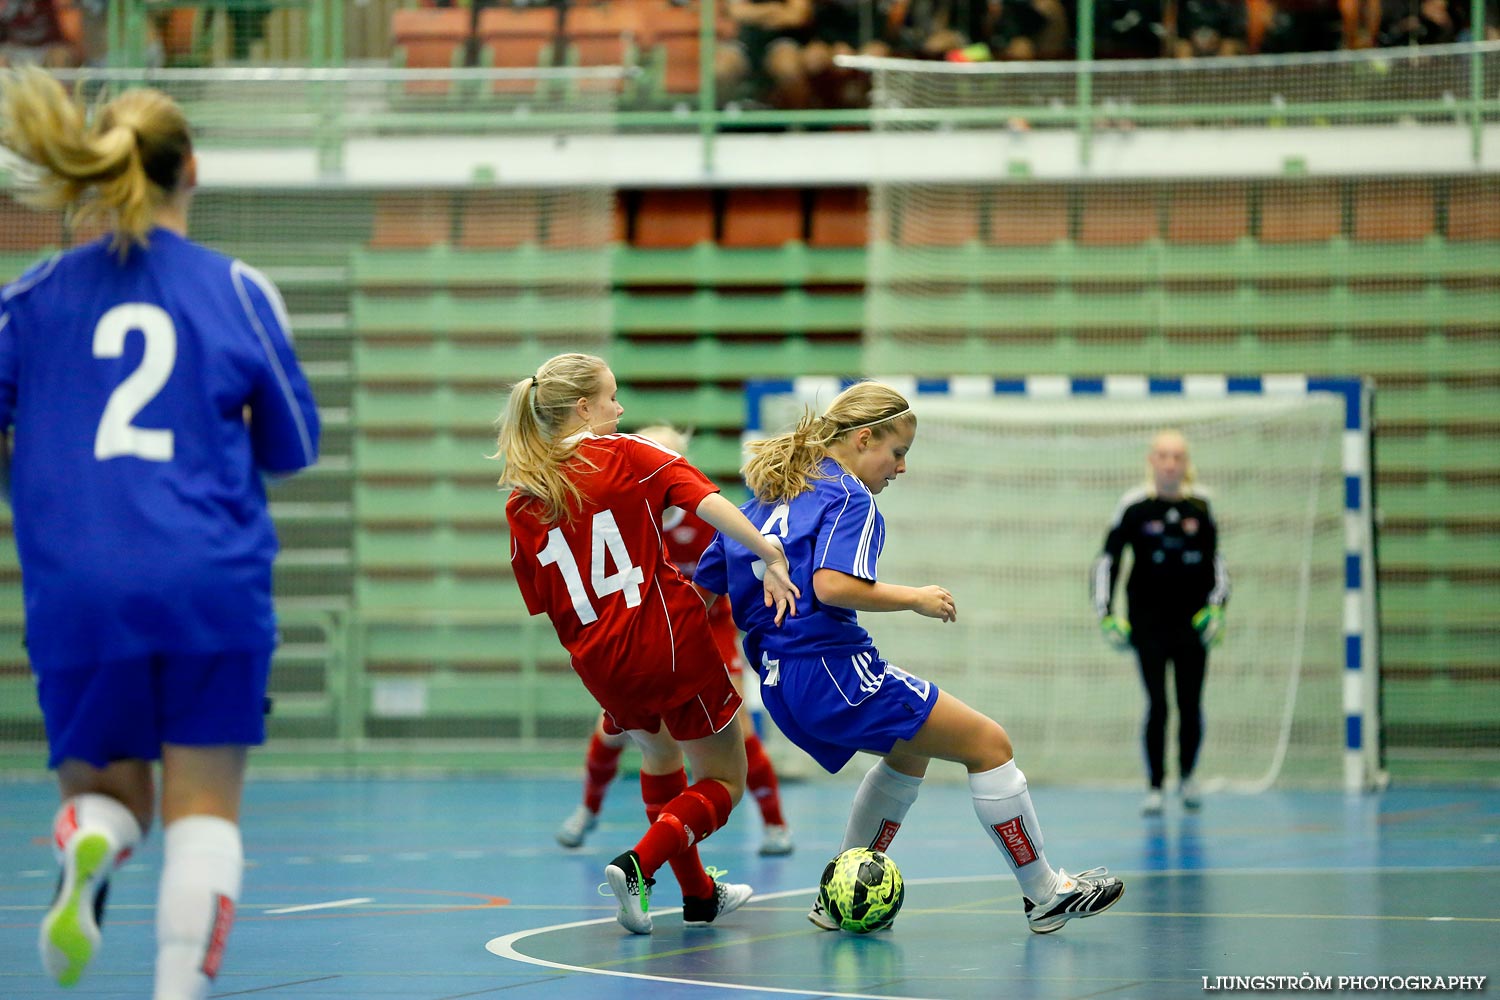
[(272, 294), (657, 446), (25, 283), (860, 564), (1130, 499), (1102, 567), (1220, 593), (866, 536), (240, 272)]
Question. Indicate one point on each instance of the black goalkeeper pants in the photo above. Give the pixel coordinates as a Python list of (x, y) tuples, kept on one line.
[(1183, 648)]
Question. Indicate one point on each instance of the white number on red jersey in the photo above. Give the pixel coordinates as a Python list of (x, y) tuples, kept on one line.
[(605, 544)]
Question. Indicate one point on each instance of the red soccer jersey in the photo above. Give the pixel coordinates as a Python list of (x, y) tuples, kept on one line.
[(637, 629), (687, 536)]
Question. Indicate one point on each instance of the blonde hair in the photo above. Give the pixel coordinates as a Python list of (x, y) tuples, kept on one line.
[(786, 466), (668, 437), (529, 440), (121, 167)]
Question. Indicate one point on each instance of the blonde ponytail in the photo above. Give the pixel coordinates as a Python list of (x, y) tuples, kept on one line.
[(535, 414), (786, 466), (118, 169)]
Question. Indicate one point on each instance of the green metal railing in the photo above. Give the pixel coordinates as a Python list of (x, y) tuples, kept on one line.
[(1455, 83)]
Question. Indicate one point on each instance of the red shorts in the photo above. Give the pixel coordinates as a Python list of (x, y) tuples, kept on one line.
[(704, 714), (684, 685)]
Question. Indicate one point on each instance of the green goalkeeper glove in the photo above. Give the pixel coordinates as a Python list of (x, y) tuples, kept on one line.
[(1209, 622), (1115, 632)]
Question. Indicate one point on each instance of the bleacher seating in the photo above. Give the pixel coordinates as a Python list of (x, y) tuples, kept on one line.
[(429, 38), (762, 217), (672, 32), (518, 37), (1301, 212), (712, 290)]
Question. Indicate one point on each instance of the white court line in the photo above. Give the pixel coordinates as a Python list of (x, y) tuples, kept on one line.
[(505, 945), (321, 906)]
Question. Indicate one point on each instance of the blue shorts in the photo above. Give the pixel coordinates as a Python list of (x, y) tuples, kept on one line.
[(834, 706), (126, 709)]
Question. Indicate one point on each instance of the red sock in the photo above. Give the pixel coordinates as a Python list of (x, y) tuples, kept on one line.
[(602, 764), (656, 791), (761, 780), (689, 817)]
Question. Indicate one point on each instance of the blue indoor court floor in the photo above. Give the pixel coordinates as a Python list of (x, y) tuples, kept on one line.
[(431, 889)]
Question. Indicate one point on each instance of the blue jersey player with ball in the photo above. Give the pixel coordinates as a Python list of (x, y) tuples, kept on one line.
[(149, 384), (823, 680)]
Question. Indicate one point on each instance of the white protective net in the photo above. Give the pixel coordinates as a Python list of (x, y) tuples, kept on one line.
[(1007, 502)]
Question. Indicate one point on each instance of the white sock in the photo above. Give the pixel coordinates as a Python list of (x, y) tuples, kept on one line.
[(95, 812), (1003, 805), (200, 883), (879, 807)]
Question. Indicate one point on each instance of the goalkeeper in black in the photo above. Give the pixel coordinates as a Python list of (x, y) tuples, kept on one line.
[(1175, 595)]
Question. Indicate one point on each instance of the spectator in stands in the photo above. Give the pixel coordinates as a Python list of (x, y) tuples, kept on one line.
[(839, 30), (31, 34), (1129, 29), (1420, 22), (93, 31), (1023, 30), (767, 51), (930, 29), (1207, 28), (1304, 26)]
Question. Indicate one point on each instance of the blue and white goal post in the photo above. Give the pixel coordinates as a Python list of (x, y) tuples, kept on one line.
[(1010, 489)]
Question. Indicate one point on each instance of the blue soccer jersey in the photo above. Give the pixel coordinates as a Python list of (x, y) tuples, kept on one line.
[(834, 525), (147, 398)]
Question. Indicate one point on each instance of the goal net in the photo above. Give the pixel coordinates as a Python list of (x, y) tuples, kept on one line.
[(1007, 502)]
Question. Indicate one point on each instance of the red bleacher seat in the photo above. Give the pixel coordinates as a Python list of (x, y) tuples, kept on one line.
[(411, 221), (1118, 215), (517, 37), (1199, 214), (761, 217), (1300, 212), (675, 31), (840, 217), (1474, 209), (430, 38), (942, 216), (668, 219), (499, 220), (1394, 211), (1028, 215)]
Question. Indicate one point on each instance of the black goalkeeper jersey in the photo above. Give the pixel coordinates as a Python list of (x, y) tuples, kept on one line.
[(1177, 569)]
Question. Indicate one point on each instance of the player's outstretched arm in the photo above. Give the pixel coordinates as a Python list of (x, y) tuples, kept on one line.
[(781, 592), (845, 591)]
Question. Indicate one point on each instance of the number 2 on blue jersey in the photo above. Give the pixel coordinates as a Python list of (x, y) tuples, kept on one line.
[(117, 436)]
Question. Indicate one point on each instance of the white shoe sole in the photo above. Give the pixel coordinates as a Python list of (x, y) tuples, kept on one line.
[(631, 916), (69, 935)]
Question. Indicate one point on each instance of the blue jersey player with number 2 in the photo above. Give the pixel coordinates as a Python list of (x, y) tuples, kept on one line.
[(824, 682), (149, 384)]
